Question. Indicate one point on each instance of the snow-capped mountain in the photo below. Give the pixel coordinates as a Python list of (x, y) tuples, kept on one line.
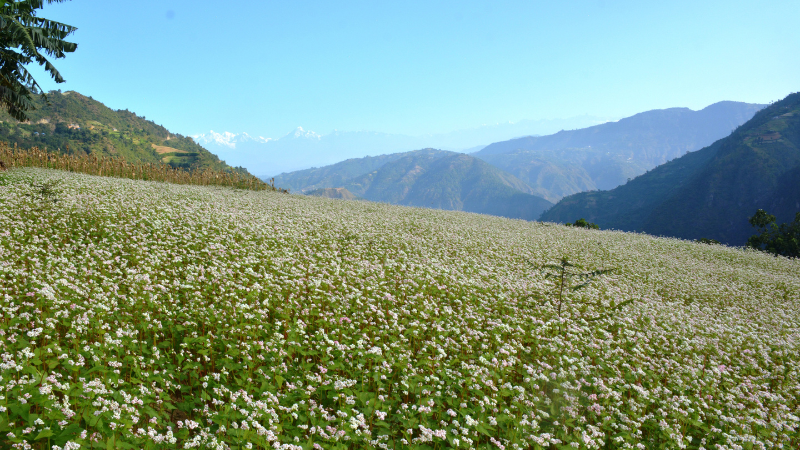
[(302, 149), (299, 132), (227, 139)]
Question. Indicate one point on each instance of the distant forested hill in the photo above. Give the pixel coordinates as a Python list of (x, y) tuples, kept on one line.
[(74, 123), (335, 175), (340, 193), (427, 178), (605, 156), (709, 193)]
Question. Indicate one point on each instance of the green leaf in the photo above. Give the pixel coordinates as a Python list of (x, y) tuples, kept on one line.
[(486, 431), (21, 411), (44, 434), (96, 369), (67, 434)]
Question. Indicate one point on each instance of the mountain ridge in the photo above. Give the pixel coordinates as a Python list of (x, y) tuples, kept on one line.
[(709, 193), (605, 156), (449, 181), (425, 178)]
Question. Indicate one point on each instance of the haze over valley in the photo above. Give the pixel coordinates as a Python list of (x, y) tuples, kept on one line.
[(302, 149)]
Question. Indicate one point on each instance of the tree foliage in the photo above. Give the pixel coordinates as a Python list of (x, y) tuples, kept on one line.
[(777, 239), (24, 39), (582, 223)]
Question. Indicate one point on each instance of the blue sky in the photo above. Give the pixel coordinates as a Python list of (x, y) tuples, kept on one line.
[(418, 67)]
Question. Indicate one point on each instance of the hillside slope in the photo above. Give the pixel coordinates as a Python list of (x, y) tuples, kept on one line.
[(605, 156), (143, 315), (74, 123), (709, 193)]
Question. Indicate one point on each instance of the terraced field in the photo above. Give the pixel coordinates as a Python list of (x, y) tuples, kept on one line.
[(147, 315)]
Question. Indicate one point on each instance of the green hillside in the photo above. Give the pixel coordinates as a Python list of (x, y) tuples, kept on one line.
[(630, 205), (709, 193), (607, 155), (144, 315), (74, 123)]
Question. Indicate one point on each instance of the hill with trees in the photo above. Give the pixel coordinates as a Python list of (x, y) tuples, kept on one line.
[(607, 155), (427, 178), (709, 193), (73, 123), (337, 174)]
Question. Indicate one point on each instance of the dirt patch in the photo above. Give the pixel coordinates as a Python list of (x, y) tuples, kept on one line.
[(160, 149), (770, 136)]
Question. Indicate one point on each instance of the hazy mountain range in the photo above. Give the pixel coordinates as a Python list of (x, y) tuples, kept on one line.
[(302, 149), (605, 156), (709, 193), (539, 169)]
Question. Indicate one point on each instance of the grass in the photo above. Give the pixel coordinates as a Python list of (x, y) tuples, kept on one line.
[(140, 314)]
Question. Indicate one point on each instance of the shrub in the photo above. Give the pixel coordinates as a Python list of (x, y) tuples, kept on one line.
[(777, 239), (582, 223)]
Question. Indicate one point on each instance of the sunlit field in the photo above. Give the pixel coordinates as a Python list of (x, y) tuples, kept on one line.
[(148, 315)]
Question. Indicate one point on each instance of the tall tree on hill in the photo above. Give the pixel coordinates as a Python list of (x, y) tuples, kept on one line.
[(26, 38)]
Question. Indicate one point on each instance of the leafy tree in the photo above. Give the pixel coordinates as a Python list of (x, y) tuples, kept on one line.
[(26, 38), (582, 223), (778, 240)]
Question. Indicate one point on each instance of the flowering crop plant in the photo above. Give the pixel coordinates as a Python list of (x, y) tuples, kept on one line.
[(146, 315)]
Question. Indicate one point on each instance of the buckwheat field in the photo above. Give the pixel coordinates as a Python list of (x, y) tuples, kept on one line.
[(145, 315)]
